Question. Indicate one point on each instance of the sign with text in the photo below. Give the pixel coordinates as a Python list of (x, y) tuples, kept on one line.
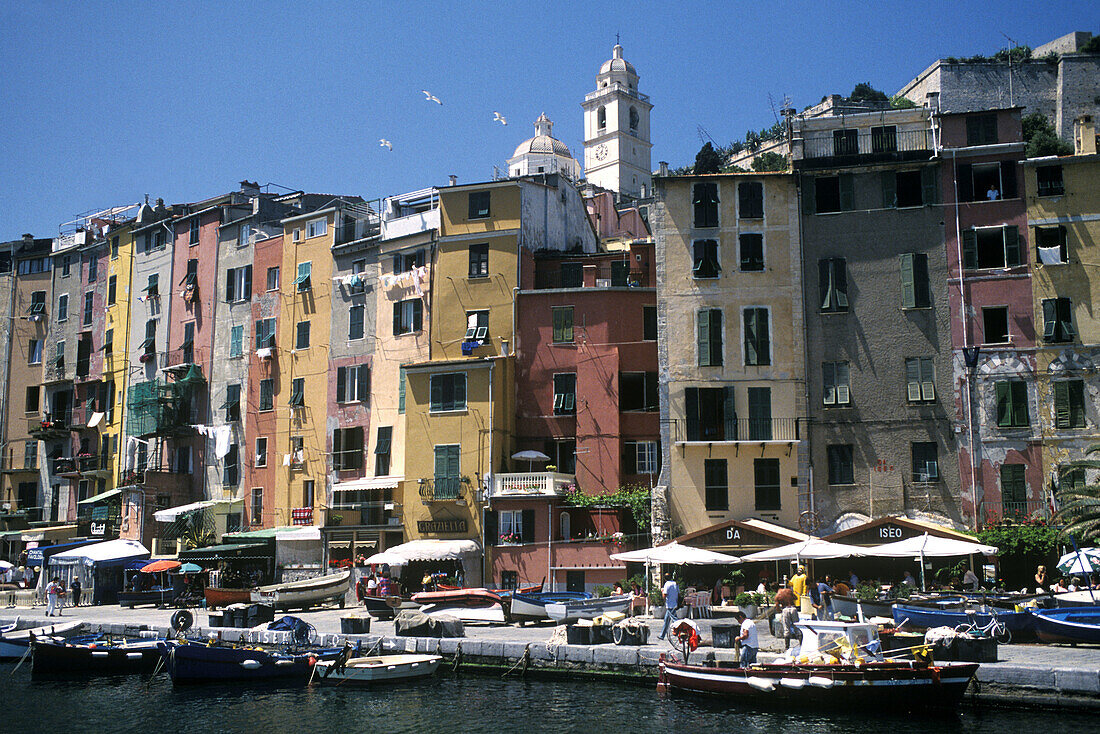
[(441, 526)]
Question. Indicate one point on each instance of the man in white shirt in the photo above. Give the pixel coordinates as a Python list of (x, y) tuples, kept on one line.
[(750, 643), (671, 592)]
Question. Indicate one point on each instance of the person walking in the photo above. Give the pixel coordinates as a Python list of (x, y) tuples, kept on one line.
[(825, 591), (671, 593), (748, 638), (53, 598), (75, 586)]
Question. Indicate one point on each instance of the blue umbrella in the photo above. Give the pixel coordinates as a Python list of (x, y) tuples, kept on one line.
[(190, 568)]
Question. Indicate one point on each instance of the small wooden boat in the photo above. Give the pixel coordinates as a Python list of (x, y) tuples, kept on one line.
[(306, 593), (850, 606), (464, 597), (485, 614), (1084, 598), (14, 643), (154, 596), (377, 669), (532, 606), (216, 597), (384, 607), (1070, 624), (1020, 624), (196, 662), (499, 592), (95, 655), (564, 612), (839, 665)]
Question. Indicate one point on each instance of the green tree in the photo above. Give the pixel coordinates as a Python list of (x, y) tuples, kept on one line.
[(769, 162), (1041, 139), (1080, 510), (707, 160), (902, 103), (1092, 47), (864, 92)]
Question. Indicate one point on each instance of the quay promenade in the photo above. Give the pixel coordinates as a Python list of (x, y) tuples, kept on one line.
[(1028, 674)]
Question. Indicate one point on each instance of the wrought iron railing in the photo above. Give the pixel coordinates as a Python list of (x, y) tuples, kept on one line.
[(866, 142), (738, 429), (441, 489)]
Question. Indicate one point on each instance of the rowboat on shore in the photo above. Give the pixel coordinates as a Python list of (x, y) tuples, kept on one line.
[(196, 662), (464, 597), (94, 655), (532, 607), (850, 606), (384, 607), (216, 597), (1070, 624), (306, 593), (564, 612), (1084, 598), (376, 669), (1019, 624), (14, 642)]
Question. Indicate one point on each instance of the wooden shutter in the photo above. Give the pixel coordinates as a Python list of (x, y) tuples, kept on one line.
[(441, 455), (363, 385), (1076, 390), (1012, 245), (397, 318), (691, 413), (889, 189), (436, 383), (492, 522), (1019, 403), (1064, 309), (418, 315), (912, 379), (847, 192), (965, 181), (1061, 405), (729, 413), (528, 526), (751, 355), (927, 379), (400, 389), (704, 337), (247, 291), (908, 286), (1008, 179), (970, 249), (1050, 320), (809, 203), (929, 183), (460, 391), (843, 392), (229, 285), (1004, 407), (341, 384)]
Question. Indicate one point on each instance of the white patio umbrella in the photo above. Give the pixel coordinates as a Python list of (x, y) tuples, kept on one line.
[(811, 548), (929, 545), (530, 456), (674, 554)]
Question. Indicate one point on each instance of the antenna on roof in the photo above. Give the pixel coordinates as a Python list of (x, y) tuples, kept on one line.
[(1011, 103), (704, 136)]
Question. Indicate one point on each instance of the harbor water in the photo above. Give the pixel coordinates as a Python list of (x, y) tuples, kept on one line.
[(445, 704)]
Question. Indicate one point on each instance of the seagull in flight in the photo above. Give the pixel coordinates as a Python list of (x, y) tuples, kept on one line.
[(497, 117), (429, 97), (385, 143)]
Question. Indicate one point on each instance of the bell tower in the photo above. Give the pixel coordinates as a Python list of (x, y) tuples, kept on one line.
[(616, 130)]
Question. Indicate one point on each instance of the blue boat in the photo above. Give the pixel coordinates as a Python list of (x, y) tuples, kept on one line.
[(1020, 624), (1070, 624), (532, 607), (93, 654), (197, 662)]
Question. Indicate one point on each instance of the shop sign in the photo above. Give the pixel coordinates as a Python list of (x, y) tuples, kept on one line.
[(98, 528), (441, 526)]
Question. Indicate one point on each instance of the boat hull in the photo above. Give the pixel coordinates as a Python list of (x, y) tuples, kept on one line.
[(14, 644), (56, 657), (1018, 623), (891, 685), (1072, 624), (381, 669), (216, 598), (384, 607), (458, 597), (571, 611), (848, 606), (305, 594), (198, 663), (532, 607), (151, 596)]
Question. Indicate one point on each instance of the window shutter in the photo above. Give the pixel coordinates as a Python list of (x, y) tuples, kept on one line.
[(927, 384), (1061, 405), (341, 384), (1019, 403), (1012, 245), (847, 192), (929, 183), (1049, 318), (704, 337), (247, 294), (418, 315), (557, 314), (825, 282), (400, 389), (750, 336), (528, 526), (460, 391), (1064, 308), (889, 189), (630, 457), (397, 318), (965, 181), (363, 387), (1076, 404), (436, 382), (1063, 244), (440, 464), (908, 287), (828, 383), (729, 413), (229, 286), (809, 204), (1004, 409), (912, 379), (970, 249), (843, 393), (691, 413), (840, 281), (1008, 179), (492, 534)]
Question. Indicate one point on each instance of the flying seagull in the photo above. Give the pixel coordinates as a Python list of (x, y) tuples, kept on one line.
[(429, 97), (385, 143), (497, 117)]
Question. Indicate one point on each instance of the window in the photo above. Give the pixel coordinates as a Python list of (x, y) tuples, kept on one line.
[(757, 338), (66, 266), (835, 389), (93, 269), (638, 391), (986, 181), (88, 305), (750, 200), (926, 465), (1069, 404), (231, 467), (232, 404), (981, 129), (152, 287), (709, 414), (307, 493), (59, 356), (705, 259), (34, 351), (114, 247), (273, 279), (903, 189), (347, 448), (1013, 488), (1011, 404), (297, 234), (316, 228), (705, 200), (991, 247), (1058, 320), (267, 394), (1048, 181), (995, 325), (916, 290), (828, 194), (63, 307), (572, 275), (353, 384), (766, 482), (479, 261), (194, 232), (839, 458), (716, 484), (448, 392), (355, 321), (920, 379), (401, 389), (884, 139), (261, 451), (845, 142), (112, 289), (265, 333), (238, 284), (563, 454), (709, 330), (649, 323), (511, 527), (303, 279), (477, 326), (302, 338), (447, 477), (478, 205), (236, 340), (1051, 245), (563, 324), (30, 457), (833, 281), (149, 345), (405, 261), (601, 118), (565, 394), (641, 457), (382, 448), (633, 117), (751, 246), (108, 340), (298, 392), (408, 316), (34, 399), (187, 349)]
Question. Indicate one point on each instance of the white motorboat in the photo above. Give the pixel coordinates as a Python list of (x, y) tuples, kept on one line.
[(15, 643), (489, 614), (376, 669)]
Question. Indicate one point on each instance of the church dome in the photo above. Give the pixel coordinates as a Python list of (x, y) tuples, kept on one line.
[(543, 142), (617, 63)]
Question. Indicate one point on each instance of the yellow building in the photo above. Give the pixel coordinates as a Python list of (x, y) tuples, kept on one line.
[(116, 340), (731, 338), (1063, 211)]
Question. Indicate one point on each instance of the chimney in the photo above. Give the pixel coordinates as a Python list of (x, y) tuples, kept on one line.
[(28, 239), (1084, 135), (932, 101), (663, 168), (453, 179), (250, 188)]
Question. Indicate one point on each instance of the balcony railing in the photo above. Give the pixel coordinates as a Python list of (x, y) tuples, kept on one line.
[(994, 511), (442, 489), (529, 484), (51, 424), (93, 464), (738, 429), (866, 143), (372, 514), (618, 86), (604, 275), (63, 465)]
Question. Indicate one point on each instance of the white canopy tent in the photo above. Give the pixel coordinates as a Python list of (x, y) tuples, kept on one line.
[(462, 551), (674, 554), (921, 546), (809, 549), (97, 564)]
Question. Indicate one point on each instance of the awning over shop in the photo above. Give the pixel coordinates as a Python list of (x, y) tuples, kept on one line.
[(111, 552), (35, 556), (174, 513), (426, 550), (306, 533), (741, 537), (368, 483), (37, 535), (230, 551), (891, 528), (101, 497), (265, 534)]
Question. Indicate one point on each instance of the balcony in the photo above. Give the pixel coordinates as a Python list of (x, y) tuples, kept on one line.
[(51, 425), (738, 430), (183, 358), (95, 465), (618, 87), (617, 274), (369, 514), (442, 489), (859, 147), (63, 466), (531, 484), (995, 511)]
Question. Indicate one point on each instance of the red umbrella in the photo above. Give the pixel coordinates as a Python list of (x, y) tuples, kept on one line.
[(158, 566)]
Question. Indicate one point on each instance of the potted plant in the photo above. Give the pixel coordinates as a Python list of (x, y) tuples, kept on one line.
[(737, 581), (656, 603), (746, 602)]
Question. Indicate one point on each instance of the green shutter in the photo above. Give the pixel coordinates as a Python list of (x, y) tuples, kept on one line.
[(1012, 246), (927, 379), (908, 287), (912, 379), (1061, 405), (557, 325), (1076, 404), (889, 189), (400, 389), (1050, 318), (929, 181), (1019, 403), (704, 337), (567, 324), (729, 413), (441, 456), (970, 249), (1065, 318), (809, 205), (750, 336), (847, 192), (1004, 408)]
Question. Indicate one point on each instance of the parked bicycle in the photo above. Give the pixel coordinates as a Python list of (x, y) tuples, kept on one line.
[(994, 628)]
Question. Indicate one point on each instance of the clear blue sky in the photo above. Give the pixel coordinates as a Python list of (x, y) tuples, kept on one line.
[(105, 102)]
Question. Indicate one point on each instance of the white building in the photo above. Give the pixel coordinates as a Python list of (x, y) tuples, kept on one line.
[(543, 154), (616, 130)]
